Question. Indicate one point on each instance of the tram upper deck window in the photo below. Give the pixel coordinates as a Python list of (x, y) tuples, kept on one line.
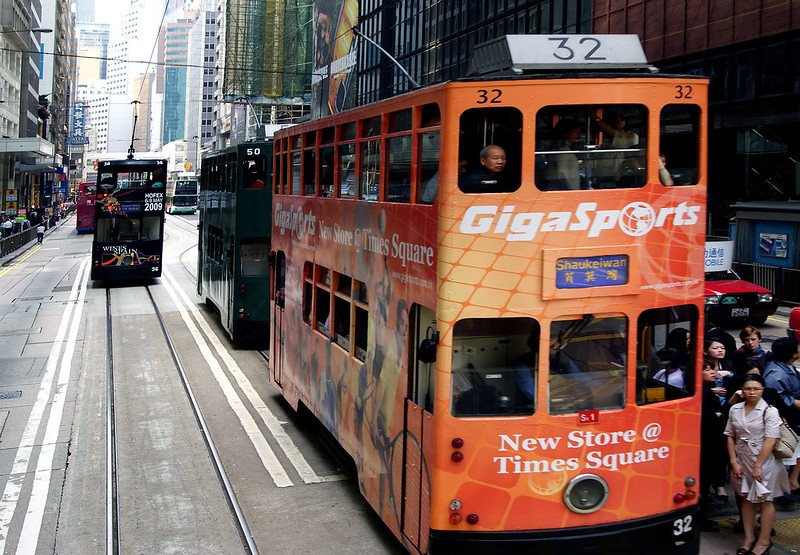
[(665, 363), (254, 173), (680, 143), (326, 165), (347, 170), (428, 166), (587, 364), (494, 366), (370, 176), (490, 147), (398, 164), (598, 146)]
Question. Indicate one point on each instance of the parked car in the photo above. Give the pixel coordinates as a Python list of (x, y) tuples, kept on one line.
[(794, 324), (730, 299)]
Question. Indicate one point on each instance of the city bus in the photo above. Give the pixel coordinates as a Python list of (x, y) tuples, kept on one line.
[(234, 239), (182, 194), (85, 207), (485, 344), (129, 220)]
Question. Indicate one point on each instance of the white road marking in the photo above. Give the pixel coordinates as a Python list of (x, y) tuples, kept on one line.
[(273, 424), (8, 503), (32, 526), (265, 452)]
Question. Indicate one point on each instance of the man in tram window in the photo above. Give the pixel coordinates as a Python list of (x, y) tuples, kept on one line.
[(490, 176), (525, 374), (563, 170)]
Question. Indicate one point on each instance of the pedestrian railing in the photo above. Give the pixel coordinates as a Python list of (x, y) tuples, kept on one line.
[(783, 282)]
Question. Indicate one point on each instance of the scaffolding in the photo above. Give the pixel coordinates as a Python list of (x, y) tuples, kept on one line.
[(267, 55)]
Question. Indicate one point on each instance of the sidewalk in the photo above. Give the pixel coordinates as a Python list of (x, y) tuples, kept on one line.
[(787, 529), (10, 257)]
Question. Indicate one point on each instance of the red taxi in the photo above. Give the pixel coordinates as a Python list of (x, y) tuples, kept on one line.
[(730, 299), (794, 324)]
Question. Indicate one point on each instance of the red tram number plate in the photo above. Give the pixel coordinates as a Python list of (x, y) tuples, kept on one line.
[(588, 417)]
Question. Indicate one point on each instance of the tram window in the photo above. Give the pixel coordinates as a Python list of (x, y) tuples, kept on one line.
[(278, 181), (347, 170), (398, 180), (372, 127), (254, 173), (297, 161), (369, 181), (327, 135), (308, 172), (490, 170), (254, 255), (494, 366), (127, 229), (587, 364), (361, 332), (598, 146), (428, 166), (308, 293), (400, 121), (343, 284), (103, 231), (326, 164), (348, 132), (421, 325), (430, 115), (665, 363), (323, 309), (341, 323), (151, 228), (680, 143)]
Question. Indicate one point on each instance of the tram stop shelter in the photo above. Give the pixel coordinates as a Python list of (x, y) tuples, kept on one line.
[(767, 246)]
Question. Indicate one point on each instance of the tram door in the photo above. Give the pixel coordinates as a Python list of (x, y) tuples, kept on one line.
[(419, 430), (278, 282)]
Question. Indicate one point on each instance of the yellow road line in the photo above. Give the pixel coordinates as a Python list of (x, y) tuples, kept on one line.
[(23, 258)]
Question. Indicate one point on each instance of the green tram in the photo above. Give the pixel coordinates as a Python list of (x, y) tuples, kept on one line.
[(234, 238)]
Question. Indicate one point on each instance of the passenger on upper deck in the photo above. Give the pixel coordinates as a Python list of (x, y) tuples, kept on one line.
[(563, 170), (490, 177)]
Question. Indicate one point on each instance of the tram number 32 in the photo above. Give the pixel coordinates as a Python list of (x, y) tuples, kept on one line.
[(682, 526)]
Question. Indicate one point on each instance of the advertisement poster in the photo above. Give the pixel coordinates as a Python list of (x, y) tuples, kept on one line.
[(333, 77), (773, 244), (719, 256)]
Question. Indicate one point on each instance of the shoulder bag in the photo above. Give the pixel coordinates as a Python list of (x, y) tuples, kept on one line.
[(786, 444)]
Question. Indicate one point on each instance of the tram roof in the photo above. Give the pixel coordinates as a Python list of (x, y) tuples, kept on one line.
[(558, 57)]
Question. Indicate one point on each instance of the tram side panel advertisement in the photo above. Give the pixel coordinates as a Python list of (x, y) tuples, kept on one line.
[(333, 79)]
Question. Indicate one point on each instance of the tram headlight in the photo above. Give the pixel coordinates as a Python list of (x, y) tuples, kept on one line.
[(712, 299), (585, 493)]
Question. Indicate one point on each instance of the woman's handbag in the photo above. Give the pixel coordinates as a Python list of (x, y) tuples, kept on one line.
[(786, 444)]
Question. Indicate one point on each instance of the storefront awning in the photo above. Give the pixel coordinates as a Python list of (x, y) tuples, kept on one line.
[(30, 146)]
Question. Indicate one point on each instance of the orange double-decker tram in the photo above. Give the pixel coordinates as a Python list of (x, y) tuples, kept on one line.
[(474, 287)]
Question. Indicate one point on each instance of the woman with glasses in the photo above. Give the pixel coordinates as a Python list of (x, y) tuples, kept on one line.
[(758, 478)]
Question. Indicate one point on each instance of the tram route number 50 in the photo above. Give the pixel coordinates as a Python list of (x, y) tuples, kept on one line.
[(682, 525)]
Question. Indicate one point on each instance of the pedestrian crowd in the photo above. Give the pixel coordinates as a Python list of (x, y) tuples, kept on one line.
[(34, 217), (749, 393)]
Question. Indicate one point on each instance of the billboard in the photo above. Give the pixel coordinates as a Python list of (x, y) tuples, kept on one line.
[(333, 76)]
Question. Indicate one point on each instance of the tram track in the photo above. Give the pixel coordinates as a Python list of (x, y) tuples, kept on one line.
[(113, 492)]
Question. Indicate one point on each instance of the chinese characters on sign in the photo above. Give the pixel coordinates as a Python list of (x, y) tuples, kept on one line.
[(719, 256), (591, 271)]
